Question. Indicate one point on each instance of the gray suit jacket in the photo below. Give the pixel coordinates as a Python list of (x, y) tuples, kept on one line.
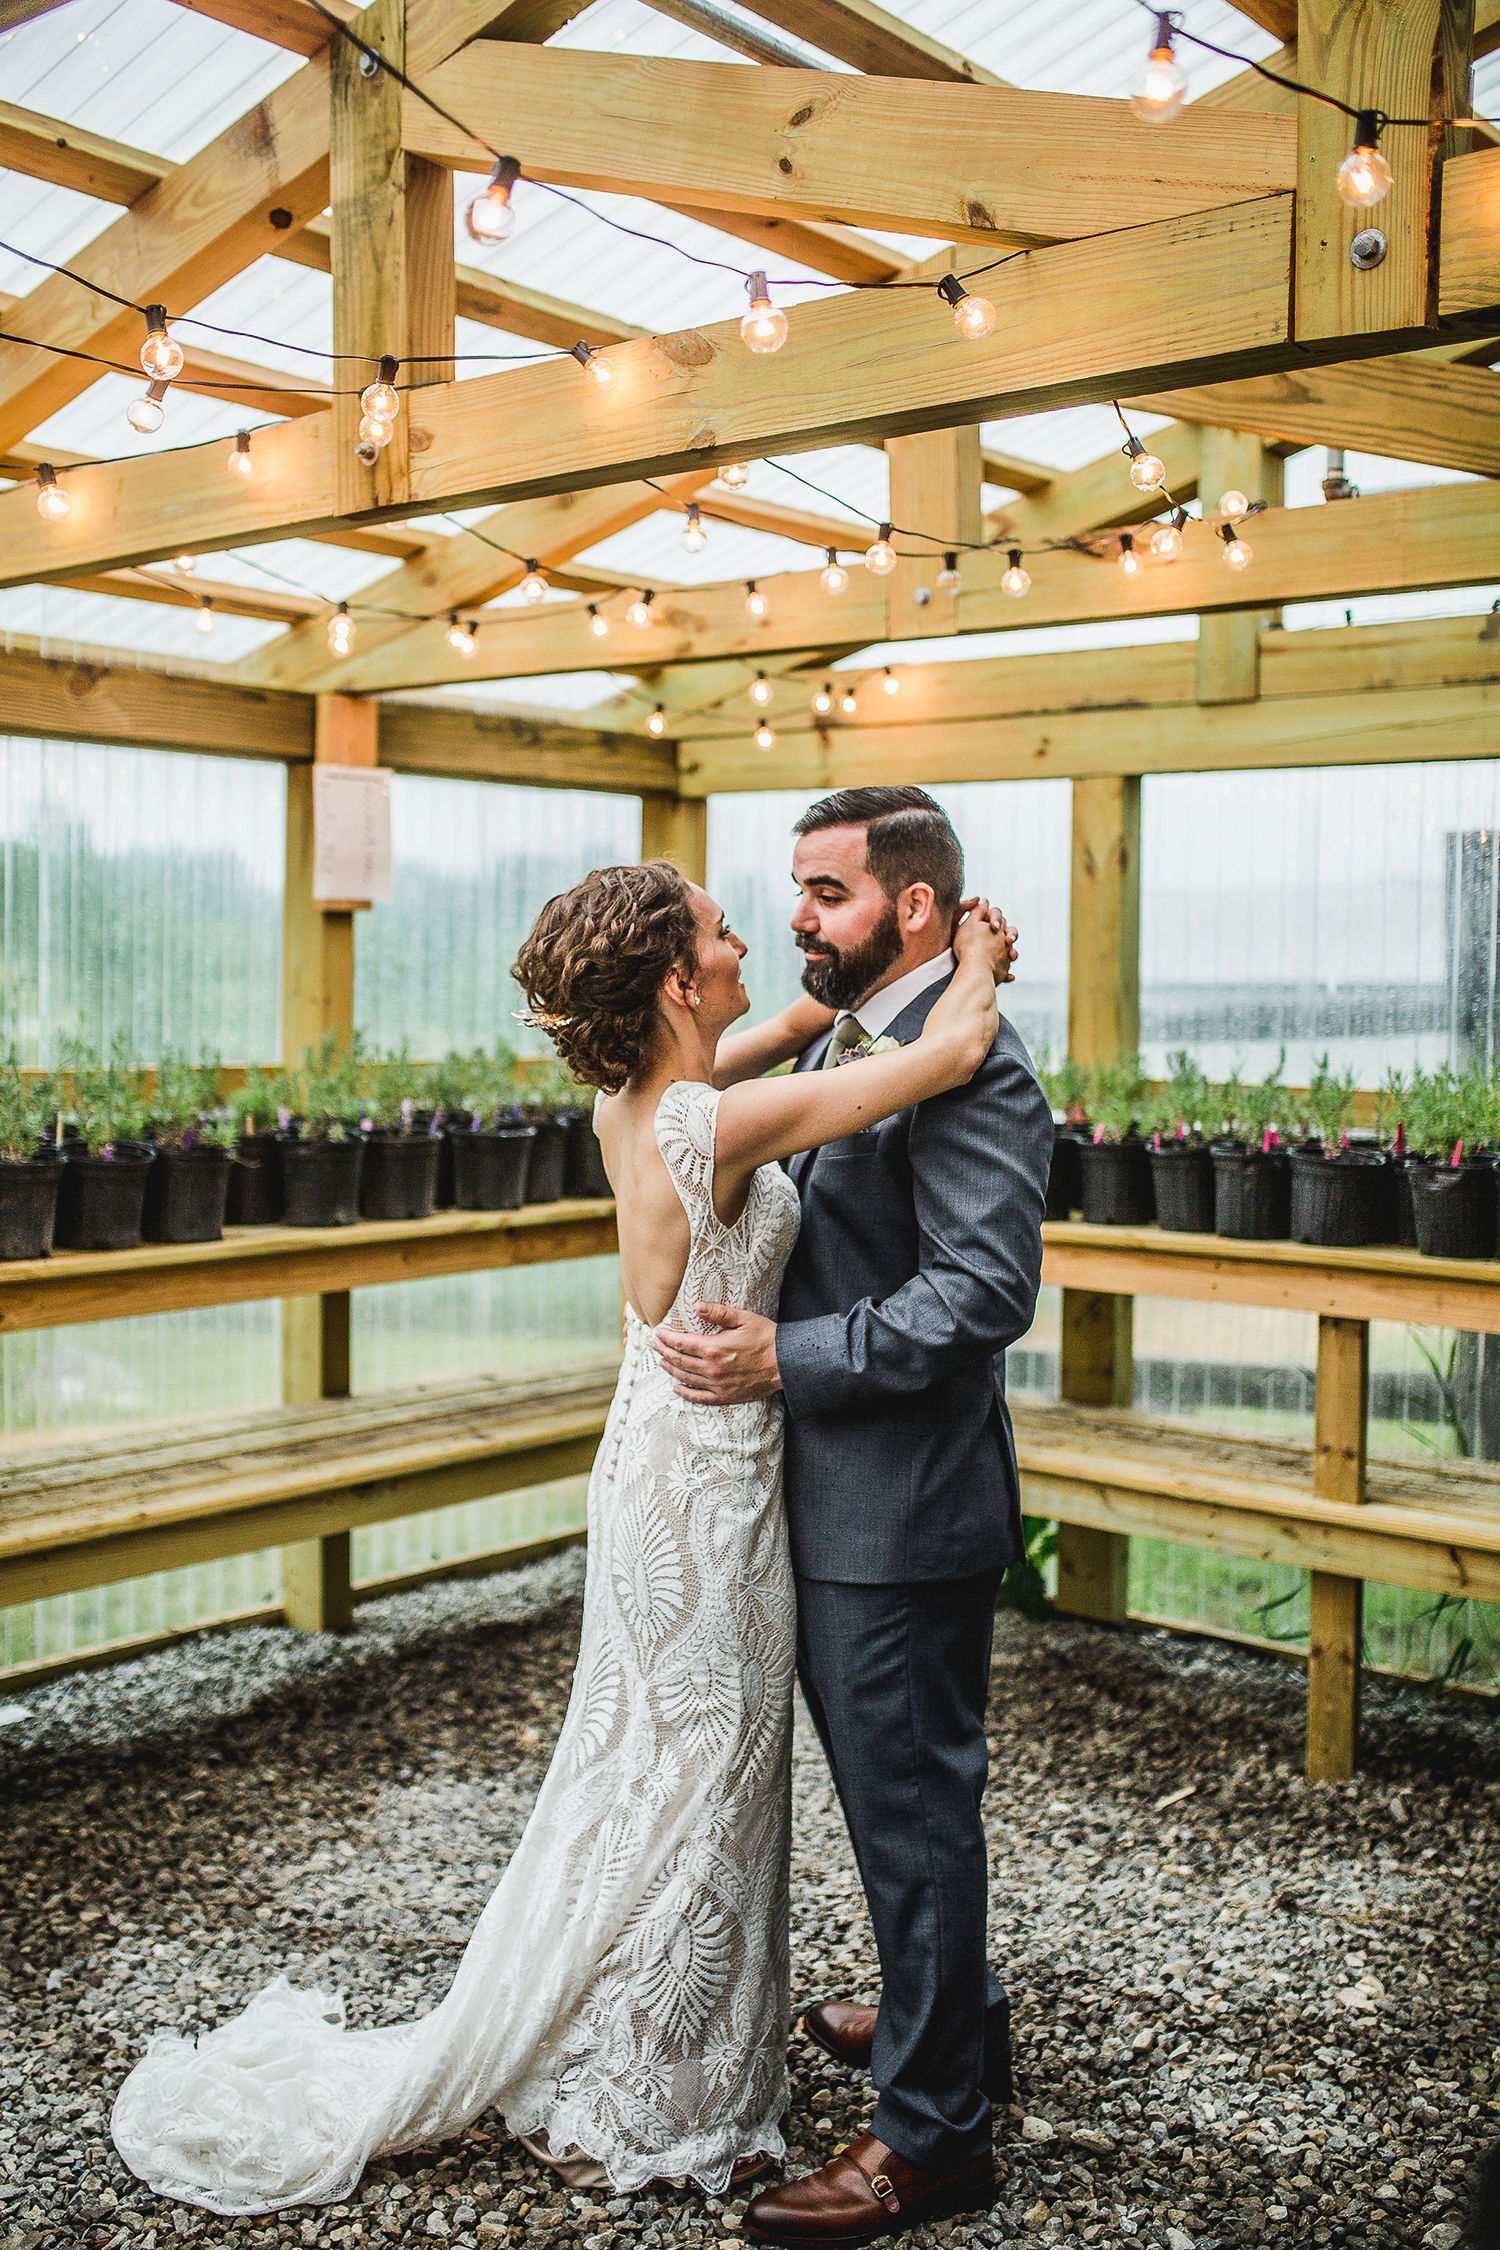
[(918, 1262)]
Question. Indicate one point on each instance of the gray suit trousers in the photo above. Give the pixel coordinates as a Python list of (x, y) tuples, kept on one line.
[(896, 1679)]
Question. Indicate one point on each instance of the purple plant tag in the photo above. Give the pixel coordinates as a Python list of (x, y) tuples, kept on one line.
[(284, 1119), (408, 1106)]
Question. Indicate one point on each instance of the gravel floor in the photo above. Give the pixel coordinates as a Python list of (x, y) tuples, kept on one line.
[(1246, 2010)]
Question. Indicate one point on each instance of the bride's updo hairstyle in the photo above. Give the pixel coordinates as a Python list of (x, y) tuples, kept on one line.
[(593, 966)]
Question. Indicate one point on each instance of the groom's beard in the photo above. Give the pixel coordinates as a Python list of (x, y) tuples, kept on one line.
[(839, 979)]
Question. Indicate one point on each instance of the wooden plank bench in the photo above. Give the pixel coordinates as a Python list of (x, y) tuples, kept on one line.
[(132, 1502)]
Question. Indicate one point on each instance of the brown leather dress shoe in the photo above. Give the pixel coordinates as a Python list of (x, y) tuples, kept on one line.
[(865, 2193), (844, 2029)]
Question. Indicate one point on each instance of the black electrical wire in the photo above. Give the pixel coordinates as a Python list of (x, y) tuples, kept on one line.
[(1278, 78)]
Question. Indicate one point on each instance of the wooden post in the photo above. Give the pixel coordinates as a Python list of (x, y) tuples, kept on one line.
[(1411, 58), (676, 828), (935, 483), (1333, 1644), (1104, 1019), (317, 982), (1229, 643)]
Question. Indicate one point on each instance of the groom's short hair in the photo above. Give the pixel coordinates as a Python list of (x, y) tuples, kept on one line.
[(908, 838)]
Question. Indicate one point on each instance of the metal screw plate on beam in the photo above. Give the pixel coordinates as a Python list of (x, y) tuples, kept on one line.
[(1367, 249)]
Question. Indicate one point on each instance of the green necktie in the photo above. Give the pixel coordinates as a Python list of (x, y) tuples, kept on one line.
[(847, 1033)]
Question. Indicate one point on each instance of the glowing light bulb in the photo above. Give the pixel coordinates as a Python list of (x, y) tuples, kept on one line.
[(460, 638), (161, 354), (1233, 504), (657, 723), (833, 578), (972, 316), (1364, 178), (204, 620), (764, 738), (372, 431), (761, 689), (238, 460), (1158, 88), (341, 631), (948, 580), (756, 603), (491, 216), (639, 612), (734, 475), (848, 703), (533, 585), (890, 683), (1016, 581), (1166, 542), (822, 702), (763, 328), (598, 626), (1130, 561), (147, 414), (1147, 471), (52, 503), (880, 556), (380, 399), (595, 362), (1237, 552), (186, 564), (694, 532)]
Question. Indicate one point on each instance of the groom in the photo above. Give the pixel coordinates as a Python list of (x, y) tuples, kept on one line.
[(917, 1264)]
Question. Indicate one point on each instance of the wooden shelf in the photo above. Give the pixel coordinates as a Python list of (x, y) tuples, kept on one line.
[(1373, 1284), (251, 1262)]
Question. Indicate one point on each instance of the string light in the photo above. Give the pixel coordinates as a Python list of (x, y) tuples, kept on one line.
[(848, 703), (764, 738), (734, 475), (1364, 178), (639, 612), (598, 626), (694, 532), (52, 503), (657, 723), (822, 702), (1237, 552), (1130, 561), (1016, 581), (881, 555), (1233, 504), (596, 363), (948, 580), (491, 216), (761, 689), (1158, 89), (460, 637), (763, 328), (1166, 539), (890, 683), (1147, 470), (161, 354), (533, 585), (186, 564), (204, 620), (756, 603), (972, 316), (833, 578), (380, 403), (147, 413), (238, 460), (341, 631)]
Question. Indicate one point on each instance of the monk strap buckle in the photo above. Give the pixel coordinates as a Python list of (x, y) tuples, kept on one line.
[(884, 2187)]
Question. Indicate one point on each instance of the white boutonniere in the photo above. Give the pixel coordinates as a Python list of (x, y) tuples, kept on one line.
[(868, 1047)]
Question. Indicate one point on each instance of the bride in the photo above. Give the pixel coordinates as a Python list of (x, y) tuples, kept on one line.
[(624, 1998)]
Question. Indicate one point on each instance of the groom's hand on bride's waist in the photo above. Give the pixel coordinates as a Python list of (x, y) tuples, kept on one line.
[(736, 1362)]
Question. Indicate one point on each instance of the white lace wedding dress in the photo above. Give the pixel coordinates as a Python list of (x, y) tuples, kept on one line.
[(626, 1989)]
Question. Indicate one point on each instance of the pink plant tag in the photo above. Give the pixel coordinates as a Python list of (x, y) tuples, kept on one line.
[(1458, 1154)]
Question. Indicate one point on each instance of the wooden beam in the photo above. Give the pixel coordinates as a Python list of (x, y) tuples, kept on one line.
[(1229, 642), (1470, 273), (501, 746), (281, 23), (935, 499), (228, 597), (1342, 1406), (1026, 477), (789, 523), (1406, 408), (868, 39), (1099, 495), (47, 148), (982, 166), (841, 252), (76, 702), (1279, 17), (676, 828)]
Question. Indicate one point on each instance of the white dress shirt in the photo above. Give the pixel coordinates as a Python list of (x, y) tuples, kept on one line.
[(880, 1011)]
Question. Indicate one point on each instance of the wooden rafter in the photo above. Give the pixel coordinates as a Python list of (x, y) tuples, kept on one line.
[(865, 37), (229, 598), (1406, 407), (1099, 494)]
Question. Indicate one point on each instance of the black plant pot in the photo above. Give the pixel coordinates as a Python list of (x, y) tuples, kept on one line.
[(583, 1161), (1340, 1202), (1065, 1179), (28, 1205), (1403, 1216), (398, 1178), (1252, 1194), (254, 1198), (549, 1157), (444, 1196), (489, 1169), (1454, 1209), (320, 1182), (1182, 1175), (100, 1199), (1116, 1183), (186, 1191)]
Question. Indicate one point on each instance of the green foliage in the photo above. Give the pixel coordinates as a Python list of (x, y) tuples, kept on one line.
[(1444, 1109), (256, 1106), (1226, 1102), (1185, 1103), (1391, 1097), (1116, 1094), (1023, 1587), (1330, 1102), (1266, 1106), (27, 1110), (549, 1089), (327, 1090), (389, 1084), (185, 1105), (109, 1101), (1062, 1083)]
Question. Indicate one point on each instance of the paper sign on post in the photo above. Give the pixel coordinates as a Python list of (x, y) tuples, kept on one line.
[(351, 832)]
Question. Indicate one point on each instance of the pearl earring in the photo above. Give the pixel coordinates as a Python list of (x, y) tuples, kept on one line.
[(695, 999)]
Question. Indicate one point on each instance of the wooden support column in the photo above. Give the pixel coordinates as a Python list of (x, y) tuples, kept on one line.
[(1411, 58), (1333, 1645), (935, 482), (1229, 642), (676, 828), (1104, 1019), (317, 984)]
